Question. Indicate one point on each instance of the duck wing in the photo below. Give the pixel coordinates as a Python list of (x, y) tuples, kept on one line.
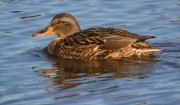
[(102, 39), (100, 43)]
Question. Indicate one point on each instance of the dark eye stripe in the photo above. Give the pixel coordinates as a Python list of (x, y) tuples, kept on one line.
[(58, 22)]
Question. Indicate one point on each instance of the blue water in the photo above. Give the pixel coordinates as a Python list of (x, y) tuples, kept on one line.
[(28, 76)]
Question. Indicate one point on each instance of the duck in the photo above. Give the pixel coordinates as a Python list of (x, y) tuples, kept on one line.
[(93, 43)]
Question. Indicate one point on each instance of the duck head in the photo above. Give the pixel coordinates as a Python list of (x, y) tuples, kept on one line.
[(62, 24)]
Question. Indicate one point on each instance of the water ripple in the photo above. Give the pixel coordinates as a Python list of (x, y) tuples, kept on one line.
[(29, 75)]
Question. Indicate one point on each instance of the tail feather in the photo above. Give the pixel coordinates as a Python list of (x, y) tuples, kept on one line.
[(144, 37), (151, 50)]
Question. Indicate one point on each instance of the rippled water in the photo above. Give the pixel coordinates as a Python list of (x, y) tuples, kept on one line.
[(28, 76)]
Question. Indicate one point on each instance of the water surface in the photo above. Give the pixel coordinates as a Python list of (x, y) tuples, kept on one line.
[(28, 76)]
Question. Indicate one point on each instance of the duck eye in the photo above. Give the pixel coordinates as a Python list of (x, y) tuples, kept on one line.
[(60, 21)]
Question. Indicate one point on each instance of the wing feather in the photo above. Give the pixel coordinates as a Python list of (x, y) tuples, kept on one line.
[(102, 38)]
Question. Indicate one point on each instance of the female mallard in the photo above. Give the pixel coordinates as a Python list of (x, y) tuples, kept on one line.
[(93, 43)]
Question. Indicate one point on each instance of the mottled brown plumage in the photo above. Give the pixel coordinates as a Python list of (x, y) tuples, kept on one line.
[(93, 43)]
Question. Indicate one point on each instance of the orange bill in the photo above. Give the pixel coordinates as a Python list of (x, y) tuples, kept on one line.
[(46, 31)]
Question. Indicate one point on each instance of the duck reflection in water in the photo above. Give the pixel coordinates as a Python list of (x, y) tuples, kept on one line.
[(73, 73)]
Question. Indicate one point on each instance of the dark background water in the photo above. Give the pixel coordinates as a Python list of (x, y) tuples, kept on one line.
[(28, 76)]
